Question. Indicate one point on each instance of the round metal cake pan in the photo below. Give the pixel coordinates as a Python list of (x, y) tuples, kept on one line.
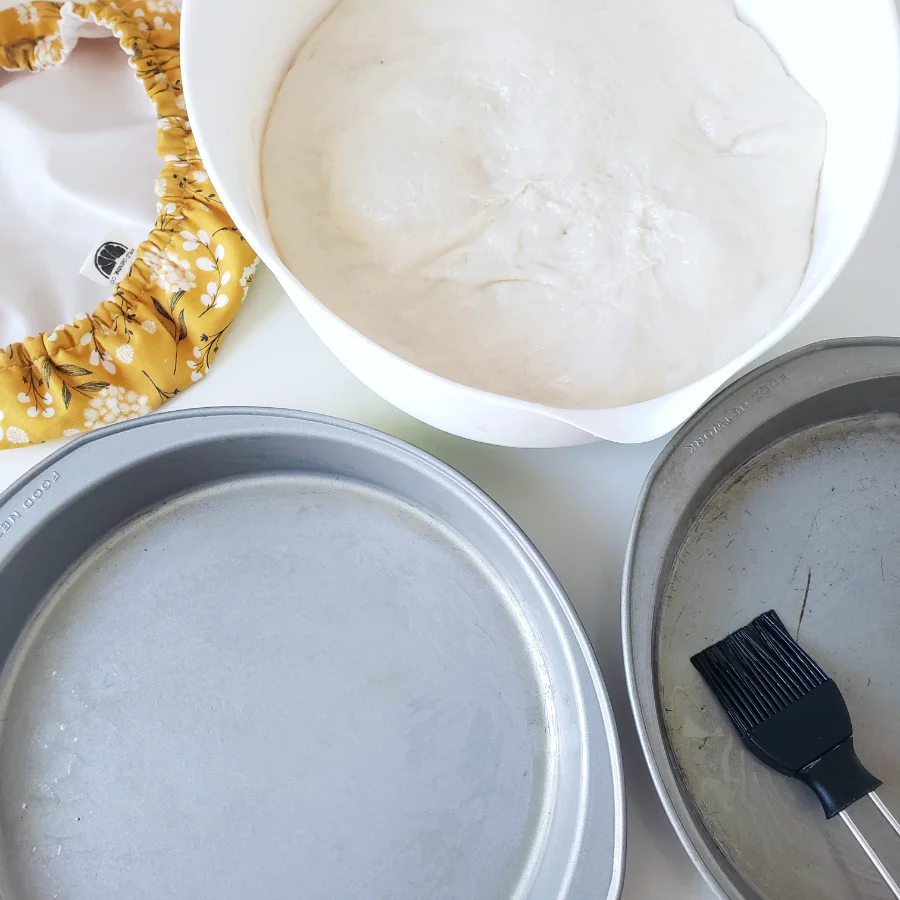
[(249, 653), (784, 493)]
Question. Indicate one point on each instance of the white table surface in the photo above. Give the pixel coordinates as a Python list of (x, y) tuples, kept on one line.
[(576, 504)]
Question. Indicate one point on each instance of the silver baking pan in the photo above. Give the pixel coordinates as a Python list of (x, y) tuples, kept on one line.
[(254, 654), (784, 493)]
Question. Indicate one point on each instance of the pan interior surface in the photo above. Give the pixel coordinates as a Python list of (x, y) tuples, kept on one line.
[(809, 527), (278, 686)]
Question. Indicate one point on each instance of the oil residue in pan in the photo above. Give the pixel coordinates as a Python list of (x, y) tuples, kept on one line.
[(810, 528)]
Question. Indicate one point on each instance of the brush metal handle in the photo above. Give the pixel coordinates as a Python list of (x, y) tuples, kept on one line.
[(867, 847), (885, 812)]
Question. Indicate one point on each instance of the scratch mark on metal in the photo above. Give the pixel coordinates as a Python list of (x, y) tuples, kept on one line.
[(805, 598), (487, 634), (678, 617), (803, 548)]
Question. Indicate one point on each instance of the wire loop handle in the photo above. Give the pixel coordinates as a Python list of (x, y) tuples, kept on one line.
[(867, 847)]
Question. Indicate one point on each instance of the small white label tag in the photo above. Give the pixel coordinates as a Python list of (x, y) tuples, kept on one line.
[(110, 259)]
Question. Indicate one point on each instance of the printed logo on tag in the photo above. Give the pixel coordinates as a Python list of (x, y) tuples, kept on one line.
[(109, 261)]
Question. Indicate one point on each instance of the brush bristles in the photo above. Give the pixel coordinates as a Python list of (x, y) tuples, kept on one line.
[(757, 671)]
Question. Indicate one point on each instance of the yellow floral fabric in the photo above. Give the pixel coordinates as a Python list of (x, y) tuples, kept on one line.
[(163, 326)]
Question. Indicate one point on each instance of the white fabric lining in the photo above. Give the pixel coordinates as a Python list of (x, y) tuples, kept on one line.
[(77, 158)]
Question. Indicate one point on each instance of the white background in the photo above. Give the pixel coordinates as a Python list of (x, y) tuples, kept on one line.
[(576, 504)]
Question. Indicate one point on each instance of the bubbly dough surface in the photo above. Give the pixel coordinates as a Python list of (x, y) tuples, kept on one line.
[(581, 203)]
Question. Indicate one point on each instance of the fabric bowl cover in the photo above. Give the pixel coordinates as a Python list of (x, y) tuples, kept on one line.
[(160, 330)]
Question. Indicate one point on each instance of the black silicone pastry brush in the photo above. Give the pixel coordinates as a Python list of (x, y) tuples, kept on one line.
[(792, 716)]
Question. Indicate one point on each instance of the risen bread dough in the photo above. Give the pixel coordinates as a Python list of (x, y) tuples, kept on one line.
[(583, 203)]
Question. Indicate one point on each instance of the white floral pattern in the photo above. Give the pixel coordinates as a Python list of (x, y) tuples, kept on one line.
[(125, 354), (176, 275), (170, 272), (191, 241), (214, 297), (42, 406), (153, 258), (28, 14), (162, 6), (249, 272), (115, 404)]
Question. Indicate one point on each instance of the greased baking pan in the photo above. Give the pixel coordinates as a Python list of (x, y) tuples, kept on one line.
[(782, 493)]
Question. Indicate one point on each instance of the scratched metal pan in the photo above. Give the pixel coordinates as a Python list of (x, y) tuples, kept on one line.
[(784, 493), (254, 654)]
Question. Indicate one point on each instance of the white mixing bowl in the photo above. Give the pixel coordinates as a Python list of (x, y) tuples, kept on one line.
[(844, 52)]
